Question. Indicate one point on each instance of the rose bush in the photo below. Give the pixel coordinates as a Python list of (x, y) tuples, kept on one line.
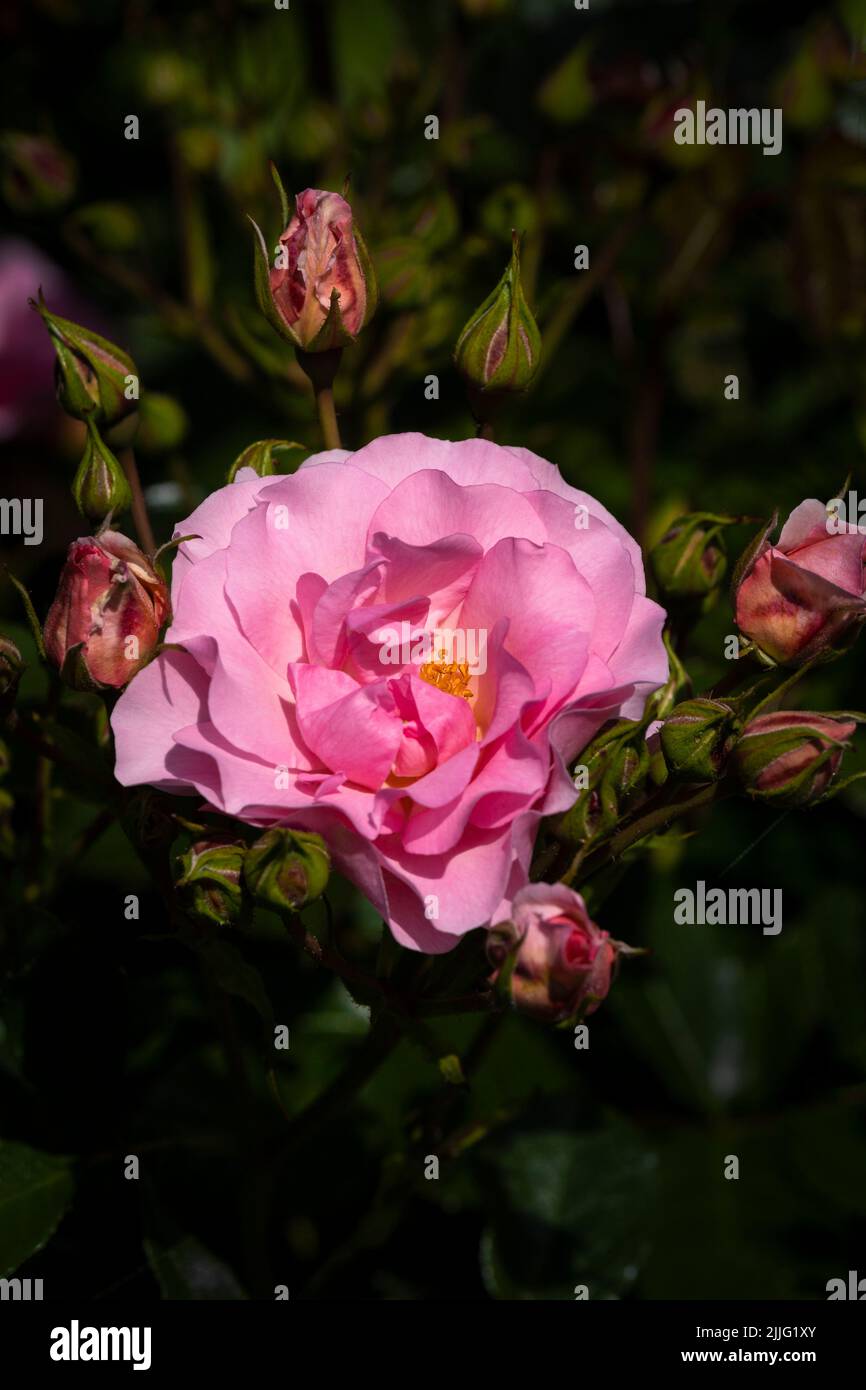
[(285, 706)]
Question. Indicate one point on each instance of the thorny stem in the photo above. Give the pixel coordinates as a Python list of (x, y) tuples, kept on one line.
[(645, 823)]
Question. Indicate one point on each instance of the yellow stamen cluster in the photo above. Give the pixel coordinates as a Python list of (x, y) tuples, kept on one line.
[(450, 676)]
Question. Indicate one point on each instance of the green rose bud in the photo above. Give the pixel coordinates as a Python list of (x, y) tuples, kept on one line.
[(690, 560), (94, 376), (696, 738), (790, 758), (499, 349), (209, 880), (99, 485), (286, 869), (260, 457)]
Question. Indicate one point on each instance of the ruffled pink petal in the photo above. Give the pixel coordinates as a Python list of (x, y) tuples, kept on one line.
[(332, 708)]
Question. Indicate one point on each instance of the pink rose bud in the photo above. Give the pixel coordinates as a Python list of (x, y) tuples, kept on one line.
[(791, 757), (320, 290), (804, 596), (104, 624), (564, 962)]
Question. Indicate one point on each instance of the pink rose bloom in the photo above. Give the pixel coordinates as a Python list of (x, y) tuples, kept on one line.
[(564, 961), (426, 772), (803, 594)]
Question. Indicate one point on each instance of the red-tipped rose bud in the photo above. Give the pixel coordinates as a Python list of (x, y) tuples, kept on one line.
[(791, 757), (805, 596), (94, 377), (321, 289), (104, 623), (564, 962), (500, 347)]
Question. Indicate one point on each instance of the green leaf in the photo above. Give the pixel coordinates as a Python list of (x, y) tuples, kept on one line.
[(577, 1210), (284, 202), (32, 620), (35, 1190)]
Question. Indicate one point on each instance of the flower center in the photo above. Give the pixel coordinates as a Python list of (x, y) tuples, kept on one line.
[(450, 676)]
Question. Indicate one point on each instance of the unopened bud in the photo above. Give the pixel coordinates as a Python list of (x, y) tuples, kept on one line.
[(690, 560), (696, 738), (803, 598), (500, 347), (562, 962), (791, 757), (321, 289), (209, 880), (99, 485), (104, 623), (92, 373), (286, 869)]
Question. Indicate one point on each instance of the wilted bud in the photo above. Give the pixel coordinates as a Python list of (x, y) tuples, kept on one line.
[(99, 485), (208, 879), (286, 869), (11, 667), (94, 377), (805, 596), (562, 962), (321, 290), (105, 622), (500, 347), (791, 757), (690, 560), (696, 738), (260, 457), (37, 174)]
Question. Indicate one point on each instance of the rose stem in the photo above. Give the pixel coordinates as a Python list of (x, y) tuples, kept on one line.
[(321, 368), (139, 506)]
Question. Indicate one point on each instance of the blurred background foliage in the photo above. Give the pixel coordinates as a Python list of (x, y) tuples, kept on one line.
[(558, 1167)]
